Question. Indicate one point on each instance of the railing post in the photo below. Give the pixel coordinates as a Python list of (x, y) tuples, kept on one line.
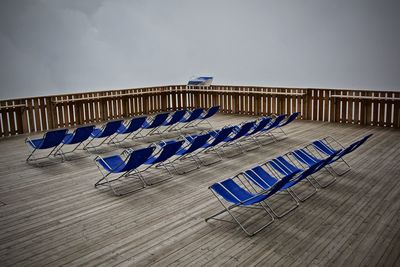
[(307, 103)]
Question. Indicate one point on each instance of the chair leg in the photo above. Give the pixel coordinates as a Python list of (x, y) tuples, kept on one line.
[(235, 219), (284, 213)]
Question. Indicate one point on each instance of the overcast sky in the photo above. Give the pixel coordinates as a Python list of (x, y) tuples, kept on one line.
[(57, 46)]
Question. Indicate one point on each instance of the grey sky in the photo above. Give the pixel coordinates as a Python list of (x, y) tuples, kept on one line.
[(57, 46)]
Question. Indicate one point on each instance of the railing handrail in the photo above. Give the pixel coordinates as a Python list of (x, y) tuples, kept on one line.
[(41, 113)]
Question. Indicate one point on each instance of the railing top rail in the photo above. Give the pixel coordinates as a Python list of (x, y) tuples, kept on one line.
[(367, 97)]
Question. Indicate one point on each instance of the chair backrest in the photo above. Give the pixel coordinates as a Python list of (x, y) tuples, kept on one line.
[(137, 158), (53, 138), (231, 191), (323, 147), (244, 129), (134, 125), (194, 115), (176, 117), (261, 125), (304, 157), (198, 142), (110, 128), (81, 134), (159, 119), (260, 177), (283, 166), (221, 135), (291, 118), (281, 183), (168, 151), (211, 112), (277, 121)]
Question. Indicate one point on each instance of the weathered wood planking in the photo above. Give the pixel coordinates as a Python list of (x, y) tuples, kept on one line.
[(54, 216)]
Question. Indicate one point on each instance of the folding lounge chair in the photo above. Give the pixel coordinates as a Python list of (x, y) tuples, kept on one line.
[(130, 130), (50, 139), (175, 118), (77, 138), (161, 159), (240, 133), (204, 118), (191, 117), (122, 168), (308, 160), (105, 132), (187, 151), (289, 119), (213, 144), (264, 181), (325, 147), (262, 123), (283, 167), (157, 121), (268, 130), (233, 196)]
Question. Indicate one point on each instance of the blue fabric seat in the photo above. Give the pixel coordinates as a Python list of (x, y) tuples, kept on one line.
[(205, 116), (105, 132), (51, 139), (78, 137), (131, 129), (124, 166)]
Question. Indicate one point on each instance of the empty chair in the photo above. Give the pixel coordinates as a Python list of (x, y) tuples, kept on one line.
[(264, 181), (250, 136), (325, 147), (105, 132), (239, 133), (268, 130), (233, 196), (191, 117), (122, 167), (50, 140), (308, 160), (129, 130), (213, 144), (174, 119), (204, 118), (187, 150), (288, 120), (156, 122), (77, 138), (162, 158)]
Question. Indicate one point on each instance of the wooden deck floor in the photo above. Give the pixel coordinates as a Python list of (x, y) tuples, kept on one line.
[(54, 216)]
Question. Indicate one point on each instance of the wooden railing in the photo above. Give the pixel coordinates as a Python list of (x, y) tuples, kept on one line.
[(36, 114)]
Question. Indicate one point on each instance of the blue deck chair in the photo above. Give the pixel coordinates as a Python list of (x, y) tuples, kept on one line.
[(187, 151), (281, 166), (131, 129), (77, 138), (250, 136), (105, 132), (51, 139), (232, 196), (289, 119), (191, 117), (204, 118), (162, 158), (122, 167), (308, 160), (175, 118), (239, 133), (156, 122), (259, 177), (235, 196), (325, 147), (213, 144), (270, 127)]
